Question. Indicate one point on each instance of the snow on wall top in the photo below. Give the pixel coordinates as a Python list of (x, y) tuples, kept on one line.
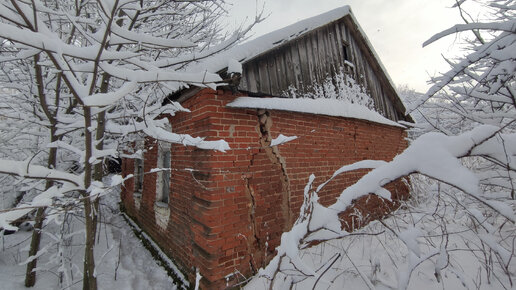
[(257, 46), (321, 106)]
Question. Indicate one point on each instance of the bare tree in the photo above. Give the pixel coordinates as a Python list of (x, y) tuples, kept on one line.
[(108, 65)]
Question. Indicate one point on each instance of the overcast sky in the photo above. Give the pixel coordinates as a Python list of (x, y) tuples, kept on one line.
[(396, 28)]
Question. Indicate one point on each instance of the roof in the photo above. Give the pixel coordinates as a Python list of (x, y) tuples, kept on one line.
[(254, 48)]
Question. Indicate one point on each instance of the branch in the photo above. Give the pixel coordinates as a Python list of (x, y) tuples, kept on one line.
[(509, 26), (22, 169)]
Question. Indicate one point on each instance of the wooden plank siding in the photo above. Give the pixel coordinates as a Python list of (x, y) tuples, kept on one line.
[(315, 56)]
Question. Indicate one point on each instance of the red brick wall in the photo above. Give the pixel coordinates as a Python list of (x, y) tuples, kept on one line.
[(227, 214)]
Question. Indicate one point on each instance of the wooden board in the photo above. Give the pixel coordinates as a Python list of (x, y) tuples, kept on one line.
[(316, 55)]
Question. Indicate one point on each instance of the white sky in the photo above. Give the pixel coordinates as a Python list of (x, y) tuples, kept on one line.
[(396, 28)]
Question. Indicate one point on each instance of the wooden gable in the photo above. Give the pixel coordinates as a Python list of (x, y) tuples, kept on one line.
[(307, 53), (318, 54)]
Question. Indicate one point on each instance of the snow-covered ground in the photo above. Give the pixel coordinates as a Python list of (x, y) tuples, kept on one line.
[(123, 262), (429, 243), (448, 245)]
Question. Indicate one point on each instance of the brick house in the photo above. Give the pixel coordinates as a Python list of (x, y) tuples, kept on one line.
[(223, 213)]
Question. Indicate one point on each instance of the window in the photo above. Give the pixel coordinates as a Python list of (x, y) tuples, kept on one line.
[(163, 178), (138, 168), (138, 175), (348, 64), (345, 49)]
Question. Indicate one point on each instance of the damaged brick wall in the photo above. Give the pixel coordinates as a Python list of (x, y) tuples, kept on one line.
[(228, 210), (265, 123), (325, 144), (186, 238)]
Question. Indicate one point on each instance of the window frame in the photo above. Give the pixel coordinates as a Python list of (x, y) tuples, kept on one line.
[(139, 168), (163, 177)]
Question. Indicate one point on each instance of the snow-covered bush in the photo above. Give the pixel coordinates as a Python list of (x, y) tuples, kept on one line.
[(339, 87)]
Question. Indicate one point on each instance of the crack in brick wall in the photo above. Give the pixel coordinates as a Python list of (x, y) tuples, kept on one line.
[(265, 121), (253, 241)]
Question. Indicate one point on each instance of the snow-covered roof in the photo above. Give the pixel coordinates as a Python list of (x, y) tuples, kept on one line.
[(259, 46), (321, 106), (264, 43)]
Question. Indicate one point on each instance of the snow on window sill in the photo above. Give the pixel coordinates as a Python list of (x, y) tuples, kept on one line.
[(161, 214), (137, 197), (161, 204)]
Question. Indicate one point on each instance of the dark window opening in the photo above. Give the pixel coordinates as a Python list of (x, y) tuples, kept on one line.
[(345, 49), (138, 175), (165, 176)]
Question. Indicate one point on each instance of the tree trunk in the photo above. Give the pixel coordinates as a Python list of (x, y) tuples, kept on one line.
[(101, 128), (90, 279), (30, 274), (90, 215)]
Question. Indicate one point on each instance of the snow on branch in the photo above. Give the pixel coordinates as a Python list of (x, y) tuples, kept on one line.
[(106, 99), (499, 43), (509, 26), (152, 128), (433, 154), (26, 170), (139, 38), (213, 58), (55, 45), (44, 199), (187, 140), (143, 76)]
